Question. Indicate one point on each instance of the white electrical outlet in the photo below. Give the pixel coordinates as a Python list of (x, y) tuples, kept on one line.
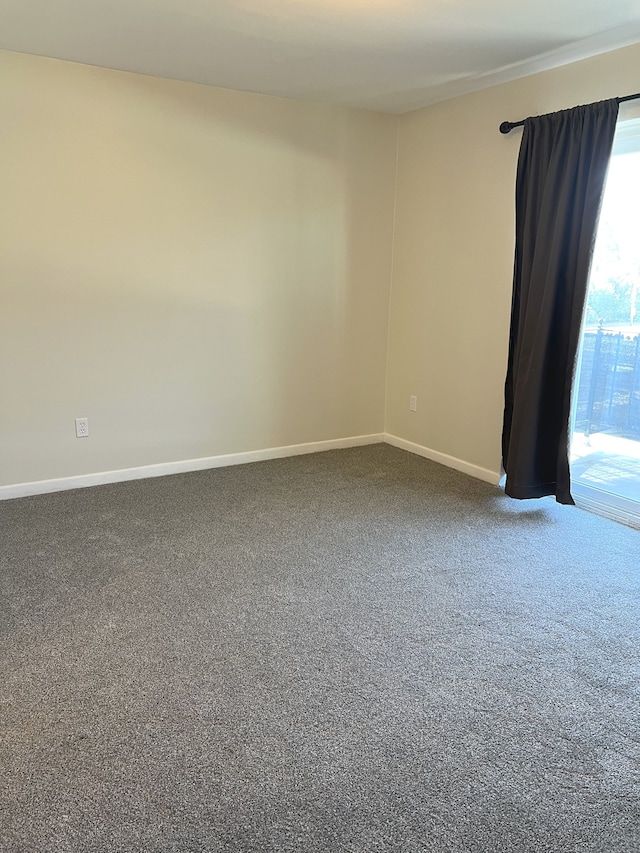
[(82, 427), (413, 404)]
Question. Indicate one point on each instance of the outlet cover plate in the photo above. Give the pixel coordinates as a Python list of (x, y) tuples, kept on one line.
[(82, 427)]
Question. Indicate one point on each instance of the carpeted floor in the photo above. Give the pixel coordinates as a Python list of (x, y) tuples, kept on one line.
[(352, 651)]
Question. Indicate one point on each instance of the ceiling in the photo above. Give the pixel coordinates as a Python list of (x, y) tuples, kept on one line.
[(388, 55)]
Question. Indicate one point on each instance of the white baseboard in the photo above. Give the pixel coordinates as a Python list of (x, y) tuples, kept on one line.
[(41, 487), (476, 471)]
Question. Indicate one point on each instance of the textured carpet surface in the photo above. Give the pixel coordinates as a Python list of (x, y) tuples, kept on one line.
[(352, 651)]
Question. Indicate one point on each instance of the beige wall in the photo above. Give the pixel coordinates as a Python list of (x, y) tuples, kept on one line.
[(197, 271), (203, 272), (453, 254)]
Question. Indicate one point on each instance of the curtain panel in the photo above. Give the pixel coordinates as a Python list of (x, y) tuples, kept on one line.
[(562, 167)]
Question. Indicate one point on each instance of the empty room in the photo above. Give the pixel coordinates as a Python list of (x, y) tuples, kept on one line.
[(319, 426)]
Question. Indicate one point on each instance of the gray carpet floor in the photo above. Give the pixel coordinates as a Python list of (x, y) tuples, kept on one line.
[(355, 651)]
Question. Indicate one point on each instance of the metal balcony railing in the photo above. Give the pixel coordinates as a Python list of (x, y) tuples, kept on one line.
[(609, 387)]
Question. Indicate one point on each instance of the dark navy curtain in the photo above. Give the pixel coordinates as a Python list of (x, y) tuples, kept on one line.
[(562, 168)]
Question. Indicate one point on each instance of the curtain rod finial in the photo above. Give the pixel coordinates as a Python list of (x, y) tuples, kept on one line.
[(506, 127)]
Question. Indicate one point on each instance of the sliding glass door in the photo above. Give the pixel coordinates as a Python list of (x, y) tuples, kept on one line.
[(605, 447)]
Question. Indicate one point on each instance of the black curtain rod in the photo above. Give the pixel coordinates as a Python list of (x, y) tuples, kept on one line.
[(507, 126)]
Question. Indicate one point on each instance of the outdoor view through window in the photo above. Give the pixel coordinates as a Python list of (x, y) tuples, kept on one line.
[(605, 449)]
